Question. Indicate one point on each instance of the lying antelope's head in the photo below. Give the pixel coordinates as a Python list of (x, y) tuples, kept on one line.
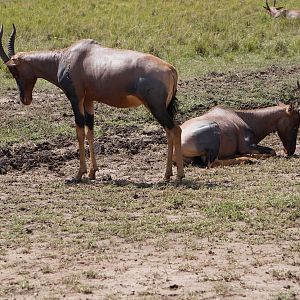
[(274, 11), (20, 70), (288, 125)]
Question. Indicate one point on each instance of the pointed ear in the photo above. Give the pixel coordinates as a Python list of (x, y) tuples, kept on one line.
[(280, 8), (281, 104), (13, 62)]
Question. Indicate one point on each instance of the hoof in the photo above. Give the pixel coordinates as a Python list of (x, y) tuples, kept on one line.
[(92, 176), (167, 178), (72, 180), (179, 179)]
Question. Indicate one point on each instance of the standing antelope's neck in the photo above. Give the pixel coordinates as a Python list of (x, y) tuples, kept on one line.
[(44, 64), (262, 121)]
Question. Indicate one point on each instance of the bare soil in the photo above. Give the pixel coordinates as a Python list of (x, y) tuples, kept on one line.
[(181, 267)]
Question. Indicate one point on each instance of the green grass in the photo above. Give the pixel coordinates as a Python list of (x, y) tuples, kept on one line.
[(21, 130), (195, 36)]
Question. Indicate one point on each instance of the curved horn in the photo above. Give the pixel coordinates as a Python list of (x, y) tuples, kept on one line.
[(3, 55), (267, 5), (11, 42)]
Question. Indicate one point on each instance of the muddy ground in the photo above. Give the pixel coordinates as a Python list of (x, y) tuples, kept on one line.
[(205, 92), (134, 155)]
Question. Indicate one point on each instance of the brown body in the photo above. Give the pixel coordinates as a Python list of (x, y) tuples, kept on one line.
[(223, 133), (276, 12), (88, 72)]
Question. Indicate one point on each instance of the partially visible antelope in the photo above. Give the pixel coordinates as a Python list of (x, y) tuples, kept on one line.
[(276, 12), (222, 133), (87, 72)]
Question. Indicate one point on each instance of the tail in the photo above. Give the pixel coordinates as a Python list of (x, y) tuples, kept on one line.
[(173, 107)]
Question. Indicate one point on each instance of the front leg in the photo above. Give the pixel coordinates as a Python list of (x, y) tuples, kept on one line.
[(257, 149), (247, 145), (76, 100), (82, 167), (89, 122), (79, 120)]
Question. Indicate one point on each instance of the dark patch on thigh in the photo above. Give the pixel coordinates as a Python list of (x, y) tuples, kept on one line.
[(208, 140), (154, 94)]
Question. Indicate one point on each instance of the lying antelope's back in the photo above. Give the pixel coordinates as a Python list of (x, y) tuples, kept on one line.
[(293, 14), (224, 117)]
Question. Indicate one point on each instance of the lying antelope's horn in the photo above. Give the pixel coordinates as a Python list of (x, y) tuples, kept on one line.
[(11, 42), (267, 5), (3, 55), (298, 85), (274, 3)]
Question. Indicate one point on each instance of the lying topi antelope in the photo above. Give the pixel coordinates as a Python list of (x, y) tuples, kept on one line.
[(223, 133), (88, 72), (276, 12)]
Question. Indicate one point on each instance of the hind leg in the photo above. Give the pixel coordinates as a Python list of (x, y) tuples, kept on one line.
[(201, 142), (178, 153), (170, 140), (154, 95), (174, 142)]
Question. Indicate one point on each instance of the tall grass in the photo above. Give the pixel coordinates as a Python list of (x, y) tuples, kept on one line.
[(195, 36)]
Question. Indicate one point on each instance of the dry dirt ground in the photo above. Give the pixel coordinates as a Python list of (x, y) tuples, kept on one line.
[(37, 261)]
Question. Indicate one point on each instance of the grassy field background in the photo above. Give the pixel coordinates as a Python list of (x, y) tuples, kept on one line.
[(195, 36), (227, 233)]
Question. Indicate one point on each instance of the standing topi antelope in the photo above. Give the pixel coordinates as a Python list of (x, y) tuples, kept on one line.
[(88, 72), (276, 12), (223, 133)]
